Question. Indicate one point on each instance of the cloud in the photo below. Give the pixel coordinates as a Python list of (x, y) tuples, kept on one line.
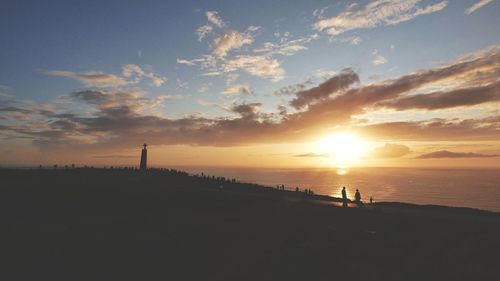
[(336, 83), (449, 154), (436, 129), (204, 88), (213, 18), (286, 46), (311, 154), (91, 79), (353, 101), (448, 99), (253, 28), (476, 6), (356, 40), (375, 13), (353, 40), (248, 111), (228, 41), (203, 31), (257, 66), (136, 73), (391, 151), (132, 74), (185, 62), (293, 89), (378, 59), (238, 89), (117, 101)]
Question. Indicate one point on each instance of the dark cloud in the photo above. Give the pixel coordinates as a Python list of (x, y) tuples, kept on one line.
[(248, 111), (17, 110), (292, 89), (337, 83), (93, 97), (449, 154), (390, 150), (64, 124), (439, 100), (341, 107), (114, 99)]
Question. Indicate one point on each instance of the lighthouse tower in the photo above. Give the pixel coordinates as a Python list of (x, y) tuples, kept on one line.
[(144, 158)]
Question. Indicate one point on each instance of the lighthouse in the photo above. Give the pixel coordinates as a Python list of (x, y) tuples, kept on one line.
[(144, 158)]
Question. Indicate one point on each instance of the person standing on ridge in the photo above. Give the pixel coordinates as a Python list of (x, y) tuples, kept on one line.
[(344, 197), (357, 196)]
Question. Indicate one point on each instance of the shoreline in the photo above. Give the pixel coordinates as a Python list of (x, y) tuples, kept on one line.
[(328, 198)]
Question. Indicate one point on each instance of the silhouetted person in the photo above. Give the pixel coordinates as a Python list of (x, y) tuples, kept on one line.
[(344, 197), (357, 197), (371, 200)]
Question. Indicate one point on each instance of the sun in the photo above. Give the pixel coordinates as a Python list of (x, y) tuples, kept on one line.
[(343, 149)]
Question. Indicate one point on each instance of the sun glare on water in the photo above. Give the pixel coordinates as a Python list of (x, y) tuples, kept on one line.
[(343, 149)]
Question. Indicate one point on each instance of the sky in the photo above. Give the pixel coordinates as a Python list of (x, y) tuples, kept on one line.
[(250, 83)]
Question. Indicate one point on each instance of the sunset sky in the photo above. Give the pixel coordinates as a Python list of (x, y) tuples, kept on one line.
[(250, 83)]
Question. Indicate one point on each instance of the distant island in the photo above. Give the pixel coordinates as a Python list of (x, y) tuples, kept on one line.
[(150, 224)]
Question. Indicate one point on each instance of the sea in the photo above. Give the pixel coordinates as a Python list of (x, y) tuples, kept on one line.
[(457, 187)]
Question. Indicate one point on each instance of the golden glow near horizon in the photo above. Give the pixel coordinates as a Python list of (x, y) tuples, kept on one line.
[(342, 149)]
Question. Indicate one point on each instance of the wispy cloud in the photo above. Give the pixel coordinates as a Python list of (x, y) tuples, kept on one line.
[(449, 154), (286, 46), (477, 5), (235, 89), (91, 78), (390, 150), (231, 50), (186, 62), (213, 21), (214, 18), (203, 31), (228, 41), (376, 13), (136, 73), (378, 59), (256, 65), (132, 74)]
